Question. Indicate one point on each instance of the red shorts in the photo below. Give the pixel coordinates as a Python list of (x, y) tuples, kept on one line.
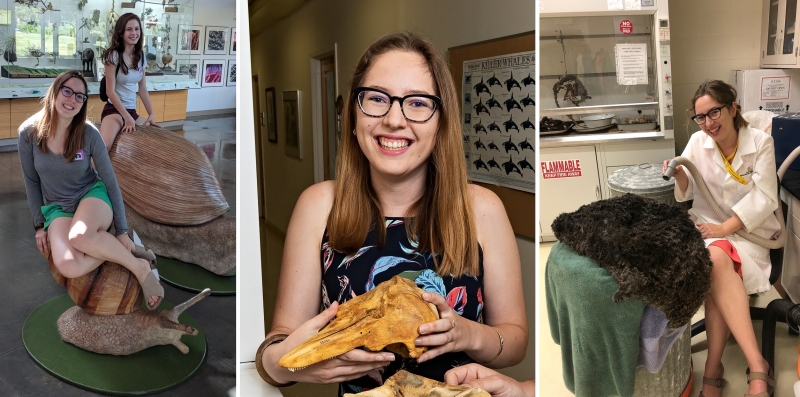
[(729, 249), (110, 109)]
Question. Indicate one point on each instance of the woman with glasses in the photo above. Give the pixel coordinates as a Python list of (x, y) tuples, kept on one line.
[(124, 62), (401, 205), (72, 204), (738, 164)]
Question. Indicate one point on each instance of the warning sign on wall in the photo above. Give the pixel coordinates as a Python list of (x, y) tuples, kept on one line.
[(626, 27), (561, 169)]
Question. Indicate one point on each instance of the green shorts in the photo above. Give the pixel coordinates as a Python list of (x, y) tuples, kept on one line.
[(54, 211)]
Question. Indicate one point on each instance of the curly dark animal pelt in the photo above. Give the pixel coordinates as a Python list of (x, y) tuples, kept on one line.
[(653, 251)]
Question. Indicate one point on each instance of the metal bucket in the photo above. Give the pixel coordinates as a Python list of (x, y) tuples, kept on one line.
[(644, 180)]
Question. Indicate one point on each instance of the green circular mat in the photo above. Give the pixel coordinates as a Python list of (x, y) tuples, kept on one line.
[(149, 371), (194, 278)]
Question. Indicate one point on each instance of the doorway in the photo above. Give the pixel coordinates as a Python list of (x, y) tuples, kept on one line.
[(330, 133), (258, 118)]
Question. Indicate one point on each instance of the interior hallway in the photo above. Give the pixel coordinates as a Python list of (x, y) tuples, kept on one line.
[(26, 282), (552, 382)]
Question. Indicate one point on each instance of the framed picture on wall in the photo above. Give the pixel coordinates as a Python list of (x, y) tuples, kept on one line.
[(230, 79), (272, 120), (216, 40), (190, 67), (292, 124), (190, 40), (233, 42), (213, 73)]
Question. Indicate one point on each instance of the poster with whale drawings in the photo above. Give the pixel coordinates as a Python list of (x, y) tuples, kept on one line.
[(499, 113)]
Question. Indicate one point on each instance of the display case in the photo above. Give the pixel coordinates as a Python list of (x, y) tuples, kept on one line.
[(39, 39), (778, 46), (606, 100)]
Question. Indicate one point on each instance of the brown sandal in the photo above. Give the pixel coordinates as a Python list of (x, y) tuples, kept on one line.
[(719, 383), (768, 377)]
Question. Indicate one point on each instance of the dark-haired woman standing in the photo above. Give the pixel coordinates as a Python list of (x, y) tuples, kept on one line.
[(125, 55), (72, 204)]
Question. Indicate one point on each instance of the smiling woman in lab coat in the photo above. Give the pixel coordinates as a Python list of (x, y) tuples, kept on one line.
[(738, 165)]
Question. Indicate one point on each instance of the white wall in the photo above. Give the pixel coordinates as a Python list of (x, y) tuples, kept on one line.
[(213, 13)]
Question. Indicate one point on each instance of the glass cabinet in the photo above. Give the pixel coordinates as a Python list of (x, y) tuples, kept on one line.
[(779, 18)]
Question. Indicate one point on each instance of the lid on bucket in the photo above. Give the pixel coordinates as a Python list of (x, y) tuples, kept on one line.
[(642, 178)]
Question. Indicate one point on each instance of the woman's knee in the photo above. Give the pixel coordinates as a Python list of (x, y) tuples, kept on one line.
[(720, 260), (68, 267)]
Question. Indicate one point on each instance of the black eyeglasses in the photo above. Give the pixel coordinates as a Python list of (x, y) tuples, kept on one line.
[(416, 107), (712, 114), (68, 92)]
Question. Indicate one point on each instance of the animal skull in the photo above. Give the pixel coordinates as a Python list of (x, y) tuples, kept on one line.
[(388, 317), (404, 384)]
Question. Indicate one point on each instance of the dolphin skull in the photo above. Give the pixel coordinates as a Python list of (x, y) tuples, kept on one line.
[(388, 317), (404, 384)]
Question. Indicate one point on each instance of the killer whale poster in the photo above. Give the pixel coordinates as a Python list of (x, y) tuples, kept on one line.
[(499, 110)]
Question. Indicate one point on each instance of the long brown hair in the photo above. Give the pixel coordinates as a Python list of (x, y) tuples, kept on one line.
[(48, 122), (118, 43), (724, 94), (442, 221)]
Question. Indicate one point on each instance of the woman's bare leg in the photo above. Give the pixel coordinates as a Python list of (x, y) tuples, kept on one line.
[(110, 126), (730, 298), (88, 235), (717, 333)]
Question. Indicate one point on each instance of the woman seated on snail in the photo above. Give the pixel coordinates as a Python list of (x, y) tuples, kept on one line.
[(738, 165), (400, 204), (72, 204), (126, 56)]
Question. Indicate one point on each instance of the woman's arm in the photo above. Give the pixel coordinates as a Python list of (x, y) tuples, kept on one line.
[(504, 305), (146, 101), (33, 187), (129, 124), (762, 200), (299, 297), (102, 164)]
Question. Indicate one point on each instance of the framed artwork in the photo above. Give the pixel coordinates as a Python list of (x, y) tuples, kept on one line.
[(291, 121), (230, 80), (272, 120), (5, 17), (190, 67), (213, 73), (233, 42), (216, 40), (190, 40)]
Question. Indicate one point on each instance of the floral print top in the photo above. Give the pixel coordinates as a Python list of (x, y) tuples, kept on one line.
[(345, 277)]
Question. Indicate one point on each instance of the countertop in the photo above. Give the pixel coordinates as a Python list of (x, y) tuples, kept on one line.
[(35, 88)]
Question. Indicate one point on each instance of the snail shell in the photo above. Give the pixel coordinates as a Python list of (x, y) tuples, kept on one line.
[(166, 178), (107, 290)]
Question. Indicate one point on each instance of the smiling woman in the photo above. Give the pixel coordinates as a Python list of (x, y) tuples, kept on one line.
[(72, 204), (401, 205)]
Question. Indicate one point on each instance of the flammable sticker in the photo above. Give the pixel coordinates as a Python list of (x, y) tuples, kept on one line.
[(561, 169)]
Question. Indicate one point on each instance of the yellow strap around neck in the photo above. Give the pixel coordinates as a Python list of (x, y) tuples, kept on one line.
[(727, 161)]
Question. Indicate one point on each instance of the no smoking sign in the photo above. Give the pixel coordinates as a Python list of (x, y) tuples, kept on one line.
[(626, 27)]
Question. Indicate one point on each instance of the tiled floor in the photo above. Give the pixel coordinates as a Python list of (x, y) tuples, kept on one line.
[(786, 353), (26, 282)]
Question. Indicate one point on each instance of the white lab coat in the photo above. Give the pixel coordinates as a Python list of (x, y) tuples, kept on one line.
[(754, 202)]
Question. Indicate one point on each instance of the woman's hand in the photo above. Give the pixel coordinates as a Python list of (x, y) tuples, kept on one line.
[(449, 333), (711, 230), (351, 365), (126, 242), (151, 120), (497, 384), (678, 169), (130, 123), (42, 242)]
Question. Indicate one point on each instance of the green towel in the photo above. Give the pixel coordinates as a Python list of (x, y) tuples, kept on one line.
[(599, 338)]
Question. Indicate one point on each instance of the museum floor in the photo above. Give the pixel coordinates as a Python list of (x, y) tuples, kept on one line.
[(26, 282), (733, 359)]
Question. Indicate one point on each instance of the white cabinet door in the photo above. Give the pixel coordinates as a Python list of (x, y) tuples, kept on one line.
[(778, 22), (568, 179)]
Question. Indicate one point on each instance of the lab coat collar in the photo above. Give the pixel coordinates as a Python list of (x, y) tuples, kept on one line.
[(746, 146)]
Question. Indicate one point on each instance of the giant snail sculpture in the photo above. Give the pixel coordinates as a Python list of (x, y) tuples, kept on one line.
[(173, 198), (166, 178)]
